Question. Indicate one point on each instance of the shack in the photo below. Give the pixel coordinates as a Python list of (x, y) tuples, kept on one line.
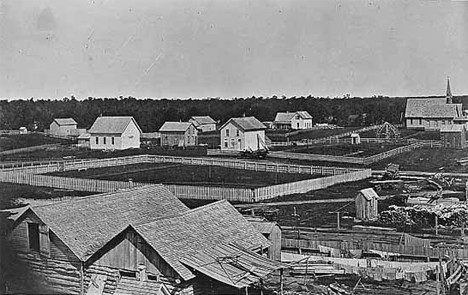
[(272, 231), (132, 240), (453, 136), (367, 204), (178, 134)]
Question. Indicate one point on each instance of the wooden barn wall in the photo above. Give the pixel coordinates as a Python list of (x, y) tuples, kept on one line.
[(130, 251), (58, 272), (274, 252)]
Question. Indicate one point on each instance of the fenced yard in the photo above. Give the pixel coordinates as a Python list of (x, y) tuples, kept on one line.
[(330, 176)]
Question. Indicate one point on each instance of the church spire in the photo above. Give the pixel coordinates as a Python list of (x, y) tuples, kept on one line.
[(448, 95)]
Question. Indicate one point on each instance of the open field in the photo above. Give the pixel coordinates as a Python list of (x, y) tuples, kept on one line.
[(10, 142), (362, 150), (9, 192), (280, 135), (428, 159), (170, 173)]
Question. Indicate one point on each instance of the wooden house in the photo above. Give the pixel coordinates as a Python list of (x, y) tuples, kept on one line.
[(114, 133), (453, 136), (272, 231), (293, 120), (203, 123), (367, 204), (178, 134), (432, 113), (134, 241), (50, 245), (244, 133), (63, 127)]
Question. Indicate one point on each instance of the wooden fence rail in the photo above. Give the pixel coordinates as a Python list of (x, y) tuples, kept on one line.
[(348, 160), (415, 251)]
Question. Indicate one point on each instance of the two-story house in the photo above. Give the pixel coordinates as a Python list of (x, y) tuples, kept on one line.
[(244, 133), (203, 123), (178, 134)]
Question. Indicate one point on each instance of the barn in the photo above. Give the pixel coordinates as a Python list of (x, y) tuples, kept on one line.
[(367, 204), (203, 123), (132, 241), (178, 134), (453, 136), (114, 133), (63, 127)]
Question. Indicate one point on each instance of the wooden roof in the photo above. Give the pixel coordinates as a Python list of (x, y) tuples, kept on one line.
[(114, 125), (246, 123), (199, 229), (431, 108), (175, 126), (369, 194), (202, 120), (86, 224), (286, 117), (232, 265), (65, 121), (133, 286)]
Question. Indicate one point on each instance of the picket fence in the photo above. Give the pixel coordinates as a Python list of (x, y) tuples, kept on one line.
[(31, 175), (414, 251), (348, 160)]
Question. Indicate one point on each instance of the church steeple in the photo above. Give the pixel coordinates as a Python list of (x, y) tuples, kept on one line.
[(448, 95)]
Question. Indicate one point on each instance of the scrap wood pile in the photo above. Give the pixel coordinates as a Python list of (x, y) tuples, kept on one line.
[(449, 214)]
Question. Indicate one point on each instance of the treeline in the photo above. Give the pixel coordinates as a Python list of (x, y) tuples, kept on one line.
[(152, 113)]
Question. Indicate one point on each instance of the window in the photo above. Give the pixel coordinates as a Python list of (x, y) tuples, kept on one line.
[(227, 132), (104, 138), (237, 132), (97, 140), (420, 121), (233, 142), (33, 234), (297, 125), (113, 140), (226, 143)]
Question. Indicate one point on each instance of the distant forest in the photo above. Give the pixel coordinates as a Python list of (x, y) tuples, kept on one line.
[(152, 113)]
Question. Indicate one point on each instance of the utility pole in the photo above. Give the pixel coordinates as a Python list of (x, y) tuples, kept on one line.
[(337, 218)]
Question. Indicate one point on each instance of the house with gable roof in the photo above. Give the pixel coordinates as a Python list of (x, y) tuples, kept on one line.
[(178, 134), (432, 113), (114, 133), (63, 127), (203, 123), (367, 204), (136, 241), (243, 133), (293, 120)]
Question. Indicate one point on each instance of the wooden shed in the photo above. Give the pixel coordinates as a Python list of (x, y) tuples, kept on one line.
[(453, 136), (272, 231), (367, 204)]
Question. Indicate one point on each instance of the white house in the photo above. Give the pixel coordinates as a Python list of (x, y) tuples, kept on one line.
[(114, 133), (432, 113), (240, 134), (63, 127), (203, 123), (294, 120)]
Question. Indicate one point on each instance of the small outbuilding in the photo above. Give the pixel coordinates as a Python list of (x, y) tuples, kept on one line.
[(272, 231), (367, 204), (453, 136), (355, 138)]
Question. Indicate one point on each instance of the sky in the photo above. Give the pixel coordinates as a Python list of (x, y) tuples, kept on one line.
[(236, 48)]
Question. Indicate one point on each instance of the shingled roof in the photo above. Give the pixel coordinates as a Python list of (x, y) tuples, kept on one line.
[(197, 230), (175, 127), (65, 121), (431, 108), (202, 120), (246, 123), (286, 117), (369, 194), (115, 125), (86, 224)]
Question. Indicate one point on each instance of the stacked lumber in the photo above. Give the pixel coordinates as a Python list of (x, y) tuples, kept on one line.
[(305, 268)]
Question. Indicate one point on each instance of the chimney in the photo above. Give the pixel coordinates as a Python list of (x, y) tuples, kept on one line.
[(141, 274)]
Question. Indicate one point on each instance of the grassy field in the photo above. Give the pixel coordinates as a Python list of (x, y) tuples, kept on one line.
[(170, 173), (10, 142), (9, 192), (360, 151), (427, 159)]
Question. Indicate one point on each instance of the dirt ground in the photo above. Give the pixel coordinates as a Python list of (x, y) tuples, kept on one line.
[(171, 173), (362, 150)]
